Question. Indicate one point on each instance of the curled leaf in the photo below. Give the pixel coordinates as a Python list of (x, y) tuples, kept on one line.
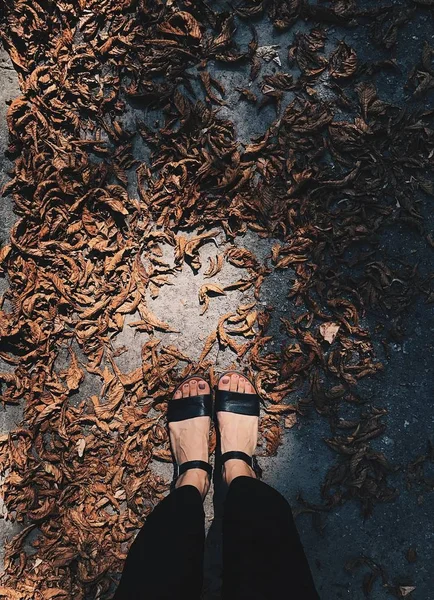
[(208, 290)]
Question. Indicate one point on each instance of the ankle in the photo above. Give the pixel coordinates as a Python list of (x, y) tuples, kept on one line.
[(195, 477), (236, 468)]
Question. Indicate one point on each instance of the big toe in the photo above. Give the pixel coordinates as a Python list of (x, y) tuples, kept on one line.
[(203, 386), (224, 382), (199, 386)]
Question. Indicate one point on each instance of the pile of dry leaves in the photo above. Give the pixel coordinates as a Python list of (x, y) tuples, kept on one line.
[(77, 473)]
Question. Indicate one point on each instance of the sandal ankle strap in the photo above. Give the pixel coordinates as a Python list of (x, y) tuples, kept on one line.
[(193, 464), (237, 454)]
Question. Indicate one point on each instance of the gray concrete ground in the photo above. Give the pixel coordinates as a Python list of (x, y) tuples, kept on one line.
[(405, 387), (9, 89)]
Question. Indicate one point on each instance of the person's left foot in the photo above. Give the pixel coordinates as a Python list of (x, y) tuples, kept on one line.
[(189, 438)]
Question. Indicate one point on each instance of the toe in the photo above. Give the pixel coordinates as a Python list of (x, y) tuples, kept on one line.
[(234, 382), (186, 390), (178, 394), (224, 382), (248, 389), (193, 387), (203, 387), (242, 384)]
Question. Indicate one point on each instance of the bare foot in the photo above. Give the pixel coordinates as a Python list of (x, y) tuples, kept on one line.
[(237, 432), (189, 438)]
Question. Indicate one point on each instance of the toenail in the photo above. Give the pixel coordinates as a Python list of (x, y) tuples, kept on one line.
[(225, 380), (202, 385), (186, 385)]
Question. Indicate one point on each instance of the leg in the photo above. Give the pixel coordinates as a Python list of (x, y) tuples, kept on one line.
[(165, 561), (262, 554)]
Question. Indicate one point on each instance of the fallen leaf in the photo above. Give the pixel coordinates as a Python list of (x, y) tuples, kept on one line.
[(329, 331), (80, 445), (204, 294), (290, 420), (74, 375), (406, 590)]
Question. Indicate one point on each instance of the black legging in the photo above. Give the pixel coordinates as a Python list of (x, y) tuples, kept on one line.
[(263, 558)]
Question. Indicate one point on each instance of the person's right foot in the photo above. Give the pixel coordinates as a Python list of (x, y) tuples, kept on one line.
[(189, 438), (237, 432)]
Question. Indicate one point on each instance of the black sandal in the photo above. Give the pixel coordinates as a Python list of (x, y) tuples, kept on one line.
[(240, 404), (188, 408)]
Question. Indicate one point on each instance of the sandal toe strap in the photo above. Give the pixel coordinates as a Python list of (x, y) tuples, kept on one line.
[(187, 408), (237, 454), (237, 402), (194, 464)]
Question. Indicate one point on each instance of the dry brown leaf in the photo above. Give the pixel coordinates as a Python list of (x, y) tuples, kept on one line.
[(10, 594), (329, 331), (74, 375), (343, 61), (204, 294), (209, 343), (290, 420), (80, 445), (4, 252), (405, 590), (272, 436), (215, 266), (50, 593), (182, 23), (280, 409)]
